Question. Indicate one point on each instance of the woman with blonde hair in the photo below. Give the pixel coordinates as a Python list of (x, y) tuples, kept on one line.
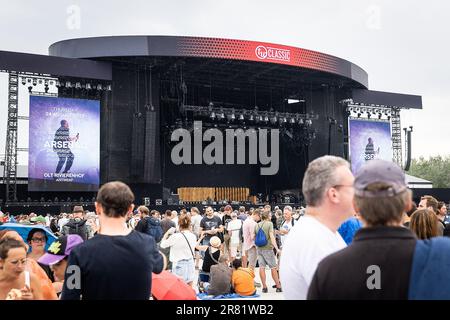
[(424, 224)]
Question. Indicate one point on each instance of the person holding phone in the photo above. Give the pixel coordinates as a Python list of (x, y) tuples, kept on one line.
[(61, 145)]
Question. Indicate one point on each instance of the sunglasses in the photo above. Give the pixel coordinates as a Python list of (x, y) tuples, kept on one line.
[(38, 239)]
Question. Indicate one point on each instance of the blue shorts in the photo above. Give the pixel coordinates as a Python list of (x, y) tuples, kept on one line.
[(185, 269)]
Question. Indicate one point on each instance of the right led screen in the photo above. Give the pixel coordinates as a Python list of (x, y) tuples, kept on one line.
[(369, 139)]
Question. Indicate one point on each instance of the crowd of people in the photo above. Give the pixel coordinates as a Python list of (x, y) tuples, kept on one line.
[(359, 237)]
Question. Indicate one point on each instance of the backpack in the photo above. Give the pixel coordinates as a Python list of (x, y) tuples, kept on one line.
[(260, 239), (77, 227), (154, 229)]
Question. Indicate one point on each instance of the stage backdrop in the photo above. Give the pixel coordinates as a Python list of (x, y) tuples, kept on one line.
[(64, 144), (369, 139)]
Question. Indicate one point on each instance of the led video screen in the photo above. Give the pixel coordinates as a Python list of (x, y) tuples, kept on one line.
[(64, 144)]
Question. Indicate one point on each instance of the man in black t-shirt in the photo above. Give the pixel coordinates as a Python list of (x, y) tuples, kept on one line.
[(98, 269), (225, 220), (210, 225)]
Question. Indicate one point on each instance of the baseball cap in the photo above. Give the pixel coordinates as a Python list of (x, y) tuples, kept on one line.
[(380, 171), (60, 249)]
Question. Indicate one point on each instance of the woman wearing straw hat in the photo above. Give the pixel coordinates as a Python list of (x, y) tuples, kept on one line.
[(212, 254)]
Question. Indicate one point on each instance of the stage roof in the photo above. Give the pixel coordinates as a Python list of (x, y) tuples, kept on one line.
[(207, 48), (55, 66)]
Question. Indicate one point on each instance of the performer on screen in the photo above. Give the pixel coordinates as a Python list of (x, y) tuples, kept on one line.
[(370, 152), (61, 146)]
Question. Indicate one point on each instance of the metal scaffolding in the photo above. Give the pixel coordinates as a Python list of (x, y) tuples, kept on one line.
[(10, 168), (396, 134)]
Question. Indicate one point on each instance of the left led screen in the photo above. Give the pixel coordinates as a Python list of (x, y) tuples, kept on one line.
[(64, 144)]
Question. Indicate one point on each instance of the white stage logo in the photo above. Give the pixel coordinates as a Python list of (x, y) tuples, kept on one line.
[(269, 53)]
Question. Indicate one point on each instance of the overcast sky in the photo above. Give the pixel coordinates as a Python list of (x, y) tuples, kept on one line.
[(403, 45)]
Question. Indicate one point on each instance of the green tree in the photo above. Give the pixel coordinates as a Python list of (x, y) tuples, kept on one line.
[(435, 169)]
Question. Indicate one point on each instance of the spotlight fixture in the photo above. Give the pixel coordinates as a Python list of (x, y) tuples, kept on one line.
[(46, 88), (292, 120), (99, 87), (68, 84), (251, 118), (77, 85), (266, 118), (379, 115), (109, 87), (30, 88), (88, 86), (58, 84), (309, 122), (369, 115), (300, 121), (213, 115), (241, 117), (34, 82), (24, 81)]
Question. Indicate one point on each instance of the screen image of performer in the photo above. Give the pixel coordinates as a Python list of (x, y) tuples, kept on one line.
[(369, 153), (61, 146)]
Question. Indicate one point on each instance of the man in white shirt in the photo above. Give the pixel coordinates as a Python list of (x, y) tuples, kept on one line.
[(286, 225), (63, 221), (175, 218), (234, 230), (328, 192)]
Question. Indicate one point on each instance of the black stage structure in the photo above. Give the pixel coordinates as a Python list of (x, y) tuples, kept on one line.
[(161, 83)]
